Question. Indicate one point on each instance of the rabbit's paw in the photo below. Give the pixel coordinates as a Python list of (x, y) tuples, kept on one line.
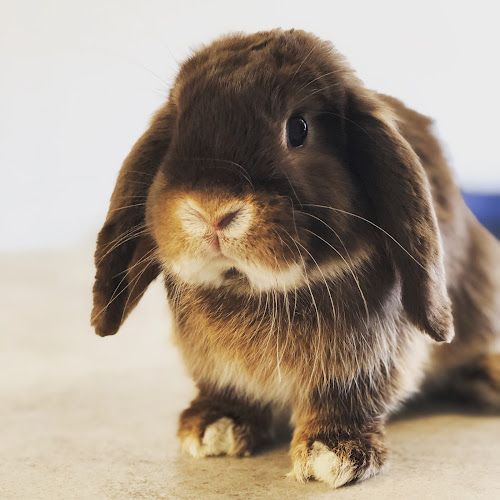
[(223, 425), (337, 465), (222, 437)]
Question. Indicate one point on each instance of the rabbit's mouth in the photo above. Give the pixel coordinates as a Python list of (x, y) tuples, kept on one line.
[(233, 274), (212, 238)]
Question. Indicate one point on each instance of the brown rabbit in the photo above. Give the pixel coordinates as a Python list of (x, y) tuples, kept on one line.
[(310, 234)]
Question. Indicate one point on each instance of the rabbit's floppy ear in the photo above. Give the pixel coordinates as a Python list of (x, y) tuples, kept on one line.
[(398, 188), (124, 256)]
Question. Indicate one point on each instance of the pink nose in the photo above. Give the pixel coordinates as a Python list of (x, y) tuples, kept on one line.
[(225, 220)]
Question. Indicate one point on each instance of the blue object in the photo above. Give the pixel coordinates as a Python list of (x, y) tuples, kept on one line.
[(486, 207)]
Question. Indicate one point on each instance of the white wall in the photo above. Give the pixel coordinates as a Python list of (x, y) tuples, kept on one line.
[(79, 81)]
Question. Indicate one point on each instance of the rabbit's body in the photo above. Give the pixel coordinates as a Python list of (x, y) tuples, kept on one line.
[(305, 229)]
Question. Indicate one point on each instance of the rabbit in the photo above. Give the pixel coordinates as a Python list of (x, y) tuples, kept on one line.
[(317, 254)]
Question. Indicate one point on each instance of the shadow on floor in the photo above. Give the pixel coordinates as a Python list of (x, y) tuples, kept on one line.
[(440, 404)]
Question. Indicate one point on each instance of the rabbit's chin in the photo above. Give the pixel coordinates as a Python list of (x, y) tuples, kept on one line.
[(224, 271), (248, 277)]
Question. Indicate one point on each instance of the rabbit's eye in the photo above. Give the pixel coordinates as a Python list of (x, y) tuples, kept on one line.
[(297, 131)]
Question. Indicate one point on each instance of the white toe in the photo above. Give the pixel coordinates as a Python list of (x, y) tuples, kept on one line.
[(218, 439), (323, 464)]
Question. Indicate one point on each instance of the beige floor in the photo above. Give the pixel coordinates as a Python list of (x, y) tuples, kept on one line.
[(85, 417)]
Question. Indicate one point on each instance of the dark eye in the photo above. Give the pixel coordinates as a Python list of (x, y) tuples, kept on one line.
[(297, 131)]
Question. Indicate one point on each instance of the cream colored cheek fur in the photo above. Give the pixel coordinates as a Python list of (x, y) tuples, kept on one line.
[(200, 271), (209, 270)]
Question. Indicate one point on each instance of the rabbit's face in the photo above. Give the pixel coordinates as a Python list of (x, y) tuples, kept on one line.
[(271, 167), (255, 157)]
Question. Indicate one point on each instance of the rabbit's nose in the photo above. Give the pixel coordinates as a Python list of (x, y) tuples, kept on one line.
[(210, 220), (224, 220)]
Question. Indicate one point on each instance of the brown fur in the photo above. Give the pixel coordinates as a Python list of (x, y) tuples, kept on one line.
[(341, 252)]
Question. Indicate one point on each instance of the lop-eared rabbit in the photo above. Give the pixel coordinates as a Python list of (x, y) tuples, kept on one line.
[(317, 254)]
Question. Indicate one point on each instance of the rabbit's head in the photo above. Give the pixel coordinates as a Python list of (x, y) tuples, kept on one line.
[(270, 166)]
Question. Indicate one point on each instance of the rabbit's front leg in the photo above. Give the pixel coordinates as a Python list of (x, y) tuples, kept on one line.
[(221, 423), (337, 440)]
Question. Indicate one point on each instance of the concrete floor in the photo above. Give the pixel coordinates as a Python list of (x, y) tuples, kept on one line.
[(90, 418)]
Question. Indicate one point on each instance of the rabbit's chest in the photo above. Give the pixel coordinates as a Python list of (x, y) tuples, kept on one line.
[(274, 350), (256, 358)]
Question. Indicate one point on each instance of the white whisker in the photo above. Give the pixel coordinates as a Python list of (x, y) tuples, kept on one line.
[(374, 225)]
